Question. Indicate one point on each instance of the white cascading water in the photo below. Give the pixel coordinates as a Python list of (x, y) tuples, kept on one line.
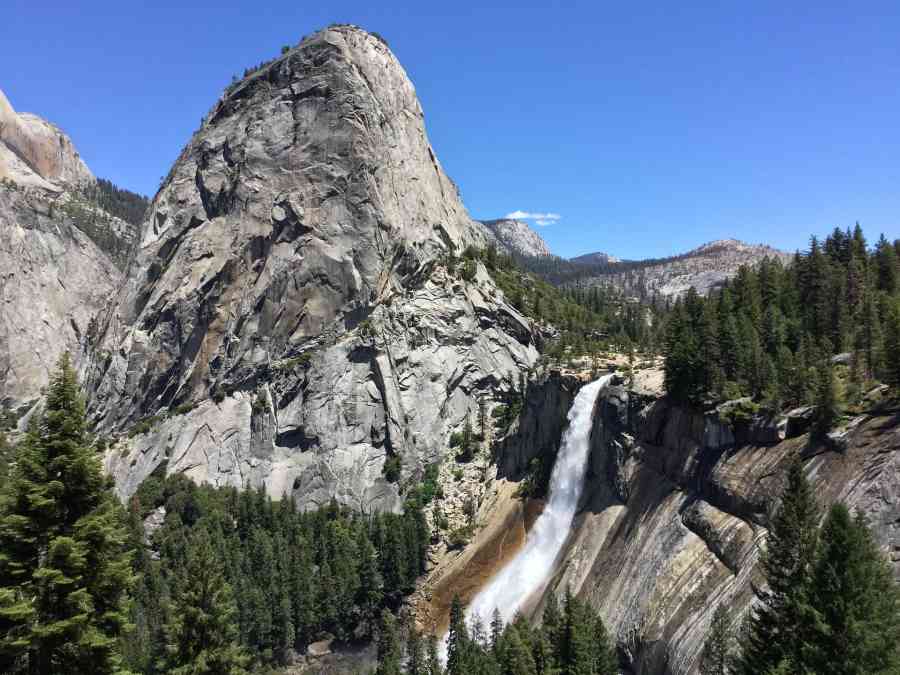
[(528, 571)]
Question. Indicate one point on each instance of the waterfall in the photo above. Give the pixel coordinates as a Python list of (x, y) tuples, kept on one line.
[(528, 571)]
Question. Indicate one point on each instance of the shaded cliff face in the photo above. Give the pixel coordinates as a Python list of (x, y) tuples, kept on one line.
[(60, 256), (676, 509), (55, 281), (292, 284)]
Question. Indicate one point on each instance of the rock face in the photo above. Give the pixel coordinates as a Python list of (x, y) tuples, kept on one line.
[(676, 509), (33, 152), (293, 316), (517, 236), (703, 268), (537, 431), (60, 257)]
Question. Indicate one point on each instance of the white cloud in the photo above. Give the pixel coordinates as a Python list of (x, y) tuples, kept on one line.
[(542, 219)]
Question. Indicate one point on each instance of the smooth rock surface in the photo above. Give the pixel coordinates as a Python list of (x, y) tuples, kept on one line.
[(35, 153), (675, 518)]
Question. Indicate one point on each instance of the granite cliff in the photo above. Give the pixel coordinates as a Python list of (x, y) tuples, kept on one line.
[(516, 236), (295, 315), (675, 510), (61, 255)]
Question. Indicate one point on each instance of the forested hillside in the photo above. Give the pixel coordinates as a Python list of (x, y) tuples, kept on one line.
[(779, 333), (578, 320)]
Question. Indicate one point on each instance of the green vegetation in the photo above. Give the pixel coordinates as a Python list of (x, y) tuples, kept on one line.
[(588, 319), (459, 537), (230, 582), (504, 415), (738, 412), (145, 426), (571, 640), (295, 577), (148, 424), (429, 489), (466, 442), (291, 364), (537, 478), (772, 331), (830, 606), (116, 201), (392, 468), (719, 656), (92, 208), (6, 451), (202, 630), (64, 560)]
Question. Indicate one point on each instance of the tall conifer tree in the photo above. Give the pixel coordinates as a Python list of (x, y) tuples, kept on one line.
[(774, 633), (201, 631), (64, 562)]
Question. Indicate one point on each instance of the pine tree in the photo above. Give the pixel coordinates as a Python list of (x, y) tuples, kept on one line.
[(516, 659), (577, 648), (389, 647), (416, 659), (869, 338), (142, 645), (64, 564), (371, 583), (496, 629), (201, 630), (457, 639), (467, 443), (718, 650), (775, 626), (606, 661), (887, 268), (826, 401), (892, 345), (552, 629), (855, 621), (434, 666)]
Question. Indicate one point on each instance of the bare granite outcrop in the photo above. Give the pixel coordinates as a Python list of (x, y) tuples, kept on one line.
[(295, 314)]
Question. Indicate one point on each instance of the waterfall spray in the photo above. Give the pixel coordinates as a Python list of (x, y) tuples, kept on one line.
[(529, 569)]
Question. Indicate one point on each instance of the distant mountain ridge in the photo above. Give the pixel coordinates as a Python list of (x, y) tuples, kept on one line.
[(703, 268), (597, 258)]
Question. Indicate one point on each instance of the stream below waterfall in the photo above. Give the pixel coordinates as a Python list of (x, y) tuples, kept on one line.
[(528, 571)]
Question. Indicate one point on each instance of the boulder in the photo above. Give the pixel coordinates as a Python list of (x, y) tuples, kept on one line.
[(798, 421)]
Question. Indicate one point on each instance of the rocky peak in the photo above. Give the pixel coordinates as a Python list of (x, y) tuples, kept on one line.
[(734, 247), (597, 258), (294, 289), (34, 152), (517, 237)]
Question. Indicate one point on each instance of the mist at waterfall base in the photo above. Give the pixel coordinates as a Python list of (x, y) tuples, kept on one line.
[(528, 571)]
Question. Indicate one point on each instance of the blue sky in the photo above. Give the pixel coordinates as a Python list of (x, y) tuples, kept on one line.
[(648, 128)]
